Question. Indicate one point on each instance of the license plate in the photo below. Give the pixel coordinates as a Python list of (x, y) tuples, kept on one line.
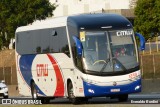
[(115, 90)]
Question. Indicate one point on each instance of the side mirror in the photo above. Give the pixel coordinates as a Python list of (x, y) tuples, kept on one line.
[(142, 41), (78, 45)]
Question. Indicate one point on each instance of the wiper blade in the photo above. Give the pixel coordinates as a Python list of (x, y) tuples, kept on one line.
[(104, 66), (117, 61), (122, 66)]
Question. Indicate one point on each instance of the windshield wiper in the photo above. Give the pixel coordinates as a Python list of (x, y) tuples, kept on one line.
[(121, 65), (104, 66)]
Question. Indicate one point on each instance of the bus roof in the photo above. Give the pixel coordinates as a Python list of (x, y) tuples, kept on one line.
[(87, 21), (44, 24), (101, 20)]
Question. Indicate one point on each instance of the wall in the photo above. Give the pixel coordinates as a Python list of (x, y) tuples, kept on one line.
[(86, 6)]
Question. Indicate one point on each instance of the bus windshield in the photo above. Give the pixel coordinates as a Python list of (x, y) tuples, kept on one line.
[(109, 51)]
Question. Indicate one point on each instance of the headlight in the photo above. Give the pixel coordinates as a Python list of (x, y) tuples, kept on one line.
[(4, 88)]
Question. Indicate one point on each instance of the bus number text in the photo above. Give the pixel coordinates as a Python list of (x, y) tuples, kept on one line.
[(133, 75), (42, 70)]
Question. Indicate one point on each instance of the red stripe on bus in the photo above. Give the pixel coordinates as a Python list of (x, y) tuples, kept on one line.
[(60, 83)]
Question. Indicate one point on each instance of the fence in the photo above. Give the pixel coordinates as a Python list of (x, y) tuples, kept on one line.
[(152, 47), (150, 66), (8, 67), (9, 75)]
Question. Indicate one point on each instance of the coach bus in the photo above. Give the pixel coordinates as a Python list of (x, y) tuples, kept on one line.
[(78, 57)]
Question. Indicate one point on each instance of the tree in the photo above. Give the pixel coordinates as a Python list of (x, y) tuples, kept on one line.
[(15, 13), (147, 20)]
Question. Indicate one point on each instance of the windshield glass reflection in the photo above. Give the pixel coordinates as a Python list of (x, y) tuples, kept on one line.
[(107, 52)]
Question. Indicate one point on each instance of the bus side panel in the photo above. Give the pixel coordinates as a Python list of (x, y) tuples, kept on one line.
[(50, 73), (23, 86), (69, 72)]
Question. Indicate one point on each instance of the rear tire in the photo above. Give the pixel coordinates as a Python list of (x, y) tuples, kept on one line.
[(72, 98), (33, 91), (123, 98)]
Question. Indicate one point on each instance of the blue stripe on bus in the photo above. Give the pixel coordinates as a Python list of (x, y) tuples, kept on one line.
[(95, 90), (25, 64)]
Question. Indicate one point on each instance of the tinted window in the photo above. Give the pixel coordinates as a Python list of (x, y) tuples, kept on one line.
[(53, 40)]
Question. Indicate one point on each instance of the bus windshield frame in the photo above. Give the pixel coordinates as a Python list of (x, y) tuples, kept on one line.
[(109, 52)]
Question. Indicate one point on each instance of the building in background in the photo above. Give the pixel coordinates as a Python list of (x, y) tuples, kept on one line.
[(71, 7)]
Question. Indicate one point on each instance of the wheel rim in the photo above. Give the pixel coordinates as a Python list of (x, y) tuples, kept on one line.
[(34, 94), (71, 94)]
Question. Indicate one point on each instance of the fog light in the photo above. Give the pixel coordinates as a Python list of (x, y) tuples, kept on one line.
[(137, 87), (90, 90)]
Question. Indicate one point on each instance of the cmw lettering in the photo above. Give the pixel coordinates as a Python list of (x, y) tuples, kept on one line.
[(42, 70), (124, 33)]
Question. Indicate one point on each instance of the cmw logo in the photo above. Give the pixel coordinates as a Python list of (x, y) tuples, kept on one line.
[(124, 33), (42, 70)]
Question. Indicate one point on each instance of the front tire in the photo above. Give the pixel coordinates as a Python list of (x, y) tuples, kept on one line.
[(72, 98), (34, 91), (35, 95)]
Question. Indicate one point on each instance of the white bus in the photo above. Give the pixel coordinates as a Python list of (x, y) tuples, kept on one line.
[(78, 57)]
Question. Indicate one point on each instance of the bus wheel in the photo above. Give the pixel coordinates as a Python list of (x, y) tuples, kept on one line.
[(123, 98), (33, 91), (71, 96)]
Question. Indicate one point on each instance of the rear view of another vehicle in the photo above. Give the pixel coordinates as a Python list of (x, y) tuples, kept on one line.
[(3, 89)]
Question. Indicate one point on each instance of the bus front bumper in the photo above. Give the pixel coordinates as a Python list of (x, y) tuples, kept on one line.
[(92, 90)]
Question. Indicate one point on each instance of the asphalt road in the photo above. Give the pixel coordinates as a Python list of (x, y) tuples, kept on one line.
[(152, 98), (135, 100)]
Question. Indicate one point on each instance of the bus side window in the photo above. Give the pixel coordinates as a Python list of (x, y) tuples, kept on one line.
[(54, 33), (58, 41), (38, 49), (65, 50), (17, 38)]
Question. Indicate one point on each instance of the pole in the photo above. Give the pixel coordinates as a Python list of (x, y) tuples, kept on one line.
[(141, 65), (3, 73), (157, 43), (3, 69), (154, 68), (2, 62), (11, 75), (150, 46)]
